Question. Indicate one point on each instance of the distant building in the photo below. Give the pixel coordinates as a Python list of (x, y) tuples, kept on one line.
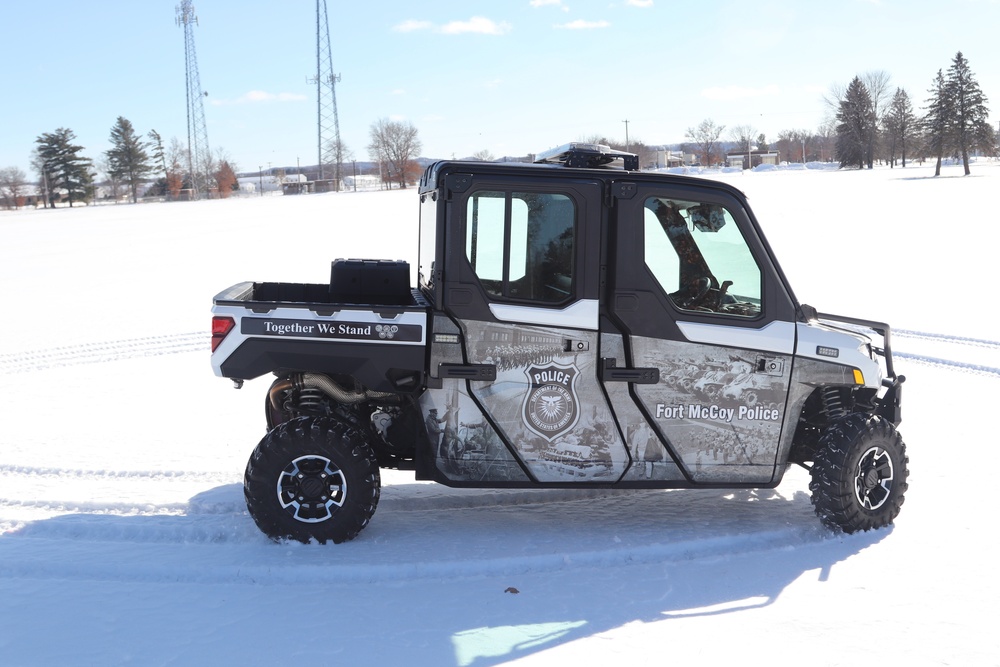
[(756, 158)]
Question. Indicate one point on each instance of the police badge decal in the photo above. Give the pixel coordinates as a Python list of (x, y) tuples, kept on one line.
[(551, 406)]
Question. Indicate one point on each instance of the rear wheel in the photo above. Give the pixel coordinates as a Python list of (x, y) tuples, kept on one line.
[(312, 478), (859, 474)]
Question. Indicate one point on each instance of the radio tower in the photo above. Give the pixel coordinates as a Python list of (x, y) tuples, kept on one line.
[(199, 155), (328, 124)]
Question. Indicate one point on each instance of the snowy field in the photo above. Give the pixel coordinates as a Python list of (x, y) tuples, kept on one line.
[(124, 539)]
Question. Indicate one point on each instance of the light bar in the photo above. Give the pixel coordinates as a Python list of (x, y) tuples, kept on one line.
[(579, 154)]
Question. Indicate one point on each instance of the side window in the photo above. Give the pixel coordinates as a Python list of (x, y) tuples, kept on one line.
[(699, 257), (521, 244)]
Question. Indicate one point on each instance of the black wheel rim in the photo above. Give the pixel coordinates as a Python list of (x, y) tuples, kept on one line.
[(311, 489), (873, 478)]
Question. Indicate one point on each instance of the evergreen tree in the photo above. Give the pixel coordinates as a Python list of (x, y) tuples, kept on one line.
[(127, 157), (62, 166), (937, 122), (900, 124), (159, 155), (855, 117), (970, 125)]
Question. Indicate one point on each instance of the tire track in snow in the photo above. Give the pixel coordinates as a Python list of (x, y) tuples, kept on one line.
[(96, 353), (948, 340), (97, 508), (947, 363), (151, 475)]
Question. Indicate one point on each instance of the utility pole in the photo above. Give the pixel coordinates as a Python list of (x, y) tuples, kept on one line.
[(626, 135), (199, 154)]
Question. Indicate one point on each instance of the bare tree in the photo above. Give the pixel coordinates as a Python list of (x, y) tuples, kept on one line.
[(341, 155), (394, 144), (743, 137), (706, 135), (825, 140), (878, 84), (832, 101), (13, 187), (111, 179), (792, 144), (483, 156)]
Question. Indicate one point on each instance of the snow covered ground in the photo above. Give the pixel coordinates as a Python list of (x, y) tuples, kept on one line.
[(124, 538)]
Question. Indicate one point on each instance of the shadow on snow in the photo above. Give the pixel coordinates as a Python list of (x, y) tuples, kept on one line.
[(441, 576)]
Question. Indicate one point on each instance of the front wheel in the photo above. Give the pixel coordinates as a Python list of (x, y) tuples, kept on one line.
[(859, 474), (312, 478)]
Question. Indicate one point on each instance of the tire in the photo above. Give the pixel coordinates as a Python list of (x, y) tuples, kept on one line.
[(859, 474), (312, 478)]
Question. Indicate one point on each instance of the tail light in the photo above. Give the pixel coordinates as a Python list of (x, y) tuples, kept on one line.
[(221, 326)]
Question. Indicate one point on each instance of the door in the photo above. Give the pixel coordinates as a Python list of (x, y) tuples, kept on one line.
[(522, 268), (697, 299)]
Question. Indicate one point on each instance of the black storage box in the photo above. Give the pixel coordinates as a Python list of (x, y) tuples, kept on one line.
[(370, 281)]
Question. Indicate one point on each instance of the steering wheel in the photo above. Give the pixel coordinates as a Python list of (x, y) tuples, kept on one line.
[(697, 291)]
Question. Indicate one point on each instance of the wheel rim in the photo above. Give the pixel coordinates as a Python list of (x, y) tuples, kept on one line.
[(311, 489), (873, 478)]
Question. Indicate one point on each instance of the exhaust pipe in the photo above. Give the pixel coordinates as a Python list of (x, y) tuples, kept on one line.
[(326, 385)]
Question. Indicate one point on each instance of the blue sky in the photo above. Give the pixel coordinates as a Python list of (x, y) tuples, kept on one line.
[(510, 77)]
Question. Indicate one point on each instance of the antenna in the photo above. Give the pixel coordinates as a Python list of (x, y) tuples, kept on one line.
[(199, 155), (328, 146)]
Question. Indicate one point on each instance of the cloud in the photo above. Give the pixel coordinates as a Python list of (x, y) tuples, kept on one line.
[(639, 3), (733, 93), (477, 24), (257, 96), (580, 24), (549, 3), (412, 25)]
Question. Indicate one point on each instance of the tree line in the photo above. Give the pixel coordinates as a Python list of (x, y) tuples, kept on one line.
[(873, 124), (135, 165), (870, 122), (140, 165)]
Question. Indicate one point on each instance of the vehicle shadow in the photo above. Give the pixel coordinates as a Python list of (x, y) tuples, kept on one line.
[(533, 577), (440, 576)]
